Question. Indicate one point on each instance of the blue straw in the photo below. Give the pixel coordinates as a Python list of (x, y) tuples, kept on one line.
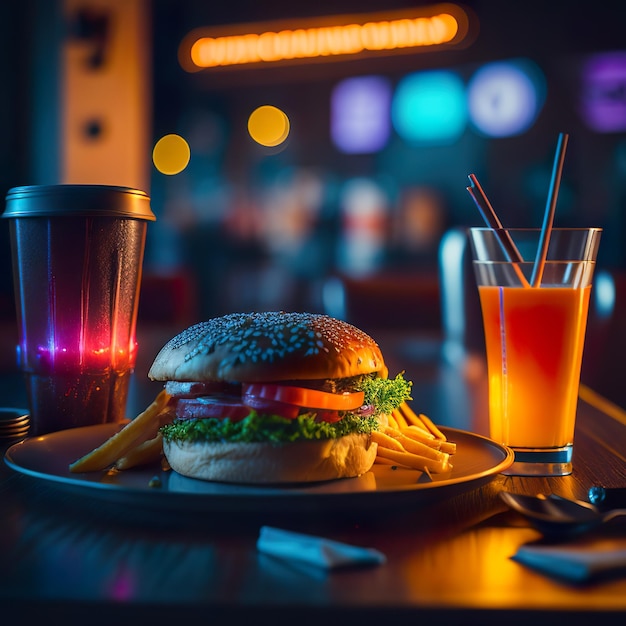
[(548, 219)]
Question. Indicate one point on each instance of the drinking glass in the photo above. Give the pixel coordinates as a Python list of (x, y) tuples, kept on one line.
[(535, 323)]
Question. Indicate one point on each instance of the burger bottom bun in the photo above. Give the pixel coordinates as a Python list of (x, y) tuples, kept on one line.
[(266, 463)]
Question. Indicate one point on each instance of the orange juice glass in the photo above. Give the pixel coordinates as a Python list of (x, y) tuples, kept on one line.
[(534, 335)]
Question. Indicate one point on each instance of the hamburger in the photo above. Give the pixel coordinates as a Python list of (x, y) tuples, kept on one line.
[(274, 397)]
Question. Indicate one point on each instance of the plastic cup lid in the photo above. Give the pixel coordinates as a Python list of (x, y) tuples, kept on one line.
[(77, 201)]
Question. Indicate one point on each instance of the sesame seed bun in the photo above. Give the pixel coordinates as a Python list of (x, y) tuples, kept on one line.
[(266, 347)]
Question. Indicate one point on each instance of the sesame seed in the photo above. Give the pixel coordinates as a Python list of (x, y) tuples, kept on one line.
[(255, 336)]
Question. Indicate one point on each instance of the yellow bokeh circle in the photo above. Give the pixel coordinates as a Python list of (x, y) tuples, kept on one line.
[(171, 154), (268, 126)]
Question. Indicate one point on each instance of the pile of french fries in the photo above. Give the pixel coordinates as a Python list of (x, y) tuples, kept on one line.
[(413, 441), (137, 443), (408, 440)]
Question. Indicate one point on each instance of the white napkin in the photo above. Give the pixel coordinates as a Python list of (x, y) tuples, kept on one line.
[(577, 562), (312, 550)]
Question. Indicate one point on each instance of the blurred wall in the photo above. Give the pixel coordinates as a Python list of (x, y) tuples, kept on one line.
[(76, 105), (106, 93), (15, 135)]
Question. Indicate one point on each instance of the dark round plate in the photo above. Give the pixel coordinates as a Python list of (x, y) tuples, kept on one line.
[(477, 461)]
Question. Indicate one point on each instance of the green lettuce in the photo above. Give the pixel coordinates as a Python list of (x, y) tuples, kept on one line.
[(268, 428), (386, 394)]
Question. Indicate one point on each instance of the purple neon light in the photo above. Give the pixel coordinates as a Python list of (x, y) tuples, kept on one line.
[(603, 93), (360, 119)]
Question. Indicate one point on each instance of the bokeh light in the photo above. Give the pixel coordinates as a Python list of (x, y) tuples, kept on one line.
[(171, 154), (430, 107), (604, 92), (268, 126), (604, 294), (506, 97), (360, 121)]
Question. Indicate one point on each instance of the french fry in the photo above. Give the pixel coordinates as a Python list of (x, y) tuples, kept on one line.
[(415, 461), (400, 419), (417, 447), (408, 444), (143, 454), (391, 420), (414, 433), (145, 426), (412, 440), (448, 446), (432, 427), (386, 441), (412, 418), (381, 460)]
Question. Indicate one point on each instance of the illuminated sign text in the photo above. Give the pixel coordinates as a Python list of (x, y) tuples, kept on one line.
[(354, 37)]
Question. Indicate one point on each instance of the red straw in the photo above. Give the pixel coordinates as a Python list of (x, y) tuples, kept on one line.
[(548, 219), (492, 220)]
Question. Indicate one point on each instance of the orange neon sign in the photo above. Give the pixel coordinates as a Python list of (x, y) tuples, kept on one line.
[(329, 38)]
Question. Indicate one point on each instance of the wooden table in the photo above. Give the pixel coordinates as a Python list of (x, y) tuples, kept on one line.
[(62, 558)]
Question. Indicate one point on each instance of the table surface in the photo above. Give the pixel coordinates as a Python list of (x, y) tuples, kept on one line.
[(64, 556)]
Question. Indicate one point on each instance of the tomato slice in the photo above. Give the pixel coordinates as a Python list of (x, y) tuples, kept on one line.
[(325, 415), (221, 407), (308, 398)]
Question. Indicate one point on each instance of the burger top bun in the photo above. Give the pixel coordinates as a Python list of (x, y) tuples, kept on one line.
[(265, 347)]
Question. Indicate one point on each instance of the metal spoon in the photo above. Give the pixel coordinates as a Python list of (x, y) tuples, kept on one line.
[(554, 515)]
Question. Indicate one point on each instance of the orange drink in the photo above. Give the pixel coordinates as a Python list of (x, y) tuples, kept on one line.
[(534, 340), (535, 323)]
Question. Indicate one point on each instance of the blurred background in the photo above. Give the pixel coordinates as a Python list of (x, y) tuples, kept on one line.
[(292, 169)]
